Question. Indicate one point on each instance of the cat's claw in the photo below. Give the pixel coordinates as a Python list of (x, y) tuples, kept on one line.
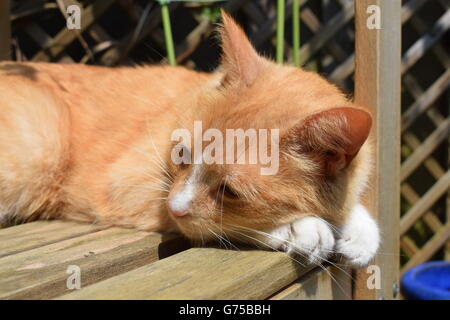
[(310, 237), (359, 238)]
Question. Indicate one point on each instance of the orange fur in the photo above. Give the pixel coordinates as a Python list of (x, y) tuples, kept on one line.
[(92, 144)]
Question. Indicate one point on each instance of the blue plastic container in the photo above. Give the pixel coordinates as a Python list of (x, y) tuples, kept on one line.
[(428, 281)]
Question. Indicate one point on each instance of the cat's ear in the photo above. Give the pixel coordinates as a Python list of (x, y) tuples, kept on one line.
[(240, 62), (333, 137)]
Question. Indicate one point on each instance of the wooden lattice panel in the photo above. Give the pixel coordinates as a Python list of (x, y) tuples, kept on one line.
[(425, 174)]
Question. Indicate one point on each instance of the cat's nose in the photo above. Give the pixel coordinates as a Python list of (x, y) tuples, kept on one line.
[(179, 213), (179, 205)]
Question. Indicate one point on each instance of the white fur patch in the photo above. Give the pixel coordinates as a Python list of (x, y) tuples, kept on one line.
[(309, 237), (181, 201), (360, 238)]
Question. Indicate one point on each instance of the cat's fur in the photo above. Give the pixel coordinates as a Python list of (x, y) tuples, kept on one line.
[(93, 144)]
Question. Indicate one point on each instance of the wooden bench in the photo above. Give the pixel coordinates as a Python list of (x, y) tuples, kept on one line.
[(117, 263)]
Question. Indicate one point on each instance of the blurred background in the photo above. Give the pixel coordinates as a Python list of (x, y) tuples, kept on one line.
[(319, 37)]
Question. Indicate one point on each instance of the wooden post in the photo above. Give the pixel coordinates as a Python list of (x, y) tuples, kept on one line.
[(377, 86), (5, 31)]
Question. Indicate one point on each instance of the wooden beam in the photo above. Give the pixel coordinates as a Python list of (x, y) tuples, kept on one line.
[(41, 273), (202, 273), (332, 284), (40, 233), (5, 30), (426, 201), (430, 144), (377, 86), (65, 37)]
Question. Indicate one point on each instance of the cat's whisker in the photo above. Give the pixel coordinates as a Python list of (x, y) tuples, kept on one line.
[(201, 236), (151, 200), (221, 204), (150, 157), (144, 187), (266, 245), (155, 178), (348, 296), (294, 248), (335, 229), (218, 238), (336, 265), (161, 162), (221, 238)]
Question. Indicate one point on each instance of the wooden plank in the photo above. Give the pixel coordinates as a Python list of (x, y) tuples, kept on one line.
[(65, 37), (422, 45), (433, 141), (5, 30), (40, 233), (327, 32), (408, 245), (426, 100), (427, 200), (332, 284), (202, 273), (348, 66), (430, 217), (431, 164), (42, 273), (377, 84), (344, 70), (410, 8), (313, 23), (438, 50), (39, 36)]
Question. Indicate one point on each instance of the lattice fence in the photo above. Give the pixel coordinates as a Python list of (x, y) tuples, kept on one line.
[(130, 32)]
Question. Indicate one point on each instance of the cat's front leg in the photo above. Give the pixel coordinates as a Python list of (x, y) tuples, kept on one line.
[(309, 237), (359, 238)]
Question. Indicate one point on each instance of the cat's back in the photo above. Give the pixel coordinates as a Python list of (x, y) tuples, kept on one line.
[(91, 79), (56, 117)]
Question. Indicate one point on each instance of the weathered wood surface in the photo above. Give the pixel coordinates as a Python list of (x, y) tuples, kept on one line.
[(41, 273), (377, 86), (117, 263), (201, 273), (40, 233), (332, 284)]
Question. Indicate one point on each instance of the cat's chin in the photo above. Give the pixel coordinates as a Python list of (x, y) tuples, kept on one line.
[(192, 229)]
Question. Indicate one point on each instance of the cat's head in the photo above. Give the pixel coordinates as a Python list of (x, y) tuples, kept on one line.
[(322, 162)]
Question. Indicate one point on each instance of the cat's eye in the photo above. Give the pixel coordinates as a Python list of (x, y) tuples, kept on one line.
[(331, 153), (226, 191)]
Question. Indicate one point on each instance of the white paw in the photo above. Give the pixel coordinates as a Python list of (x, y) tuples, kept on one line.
[(310, 237), (359, 238)]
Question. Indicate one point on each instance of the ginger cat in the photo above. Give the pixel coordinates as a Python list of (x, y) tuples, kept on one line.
[(94, 144)]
